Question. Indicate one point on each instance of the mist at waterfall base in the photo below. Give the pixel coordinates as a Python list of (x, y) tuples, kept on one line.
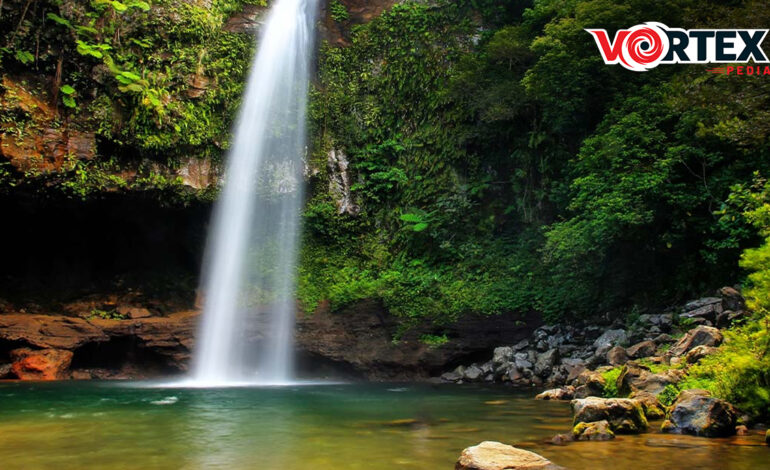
[(248, 280)]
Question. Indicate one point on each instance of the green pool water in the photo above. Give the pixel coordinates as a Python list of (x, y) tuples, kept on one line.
[(101, 425)]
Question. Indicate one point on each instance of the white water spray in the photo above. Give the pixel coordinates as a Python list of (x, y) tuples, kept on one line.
[(249, 272)]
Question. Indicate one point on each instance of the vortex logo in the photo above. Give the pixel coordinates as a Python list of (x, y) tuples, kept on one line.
[(647, 45)]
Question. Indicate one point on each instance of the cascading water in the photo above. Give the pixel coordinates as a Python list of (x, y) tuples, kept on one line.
[(249, 272)]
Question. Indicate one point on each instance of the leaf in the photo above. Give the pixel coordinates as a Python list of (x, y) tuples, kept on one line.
[(67, 90), (130, 75), (59, 19), (412, 218), (144, 6), (419, 227), (24, 57), (119, 7), (68, 101), (86, 29)]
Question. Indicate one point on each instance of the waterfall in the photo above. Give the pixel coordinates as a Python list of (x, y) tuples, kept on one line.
[(248, 283)]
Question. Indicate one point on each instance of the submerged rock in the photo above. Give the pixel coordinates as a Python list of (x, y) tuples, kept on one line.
[(596, 431), (624, 415), (491, 455), (697, 412)]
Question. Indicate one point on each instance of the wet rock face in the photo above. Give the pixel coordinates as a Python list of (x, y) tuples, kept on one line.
[(696, 412), (490, 455), (361, 337), (248, 20), (42, 364), (624, 415), (340, 182)]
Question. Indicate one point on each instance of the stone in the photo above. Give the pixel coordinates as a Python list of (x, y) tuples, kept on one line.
[(521, 345), (562, 439), (699, 352), (732, 299), (700, 336), (545, 362), (664, 339), (133, 313), (5, 371), (635, 378), (617, 356), (625, 416), (491, 455), (699, 303), (473, 373), (453, 376), (41, 364), (707, 312), (653, 408), (767, 437), (696, 412), (502, 356), (564, 393), (590, 383), (741, 430), (522, 361), (594, 431), (643, 349), (574, 368), (611, 338)]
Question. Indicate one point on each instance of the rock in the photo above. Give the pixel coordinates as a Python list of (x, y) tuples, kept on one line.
[(565, 393), (664, 339), (545, 362), (473, 373), (5, 371), (562, 439), (133, 313), (741, 430), (699, 352), (490, 455), (767, 437), (41, 364), (732, 299), (502, 356), (521, 345), (696, 412), (624, 415), (643, 349), (454, 376), (707, 312), (653, 408), (595, 431), (700, 303), (248, 20), (611, 338), (700, 336), (81, 375), (617, 356), (590, 383), (635, 378), (522, 361), (574, 368)]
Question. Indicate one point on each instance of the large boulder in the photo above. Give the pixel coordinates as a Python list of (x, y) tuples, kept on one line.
[(732, 299), (574, 368), (41, 364), (502, 356), (625, 415), (491, 455), (643, 349), (596, 431), (697, 412), (700, 336), (699, 352)]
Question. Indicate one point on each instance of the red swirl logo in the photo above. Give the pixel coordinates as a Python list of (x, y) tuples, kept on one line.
[(639, 48)]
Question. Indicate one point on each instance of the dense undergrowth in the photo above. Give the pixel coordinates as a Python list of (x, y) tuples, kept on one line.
[(500, 166)]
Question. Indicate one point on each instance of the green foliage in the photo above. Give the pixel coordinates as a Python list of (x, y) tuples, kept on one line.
[(668, 396), (106, 314), (338, 11), (434, 341), (611, 382)]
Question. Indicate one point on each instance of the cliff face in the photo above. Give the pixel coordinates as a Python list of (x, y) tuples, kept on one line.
[(136, 343)]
